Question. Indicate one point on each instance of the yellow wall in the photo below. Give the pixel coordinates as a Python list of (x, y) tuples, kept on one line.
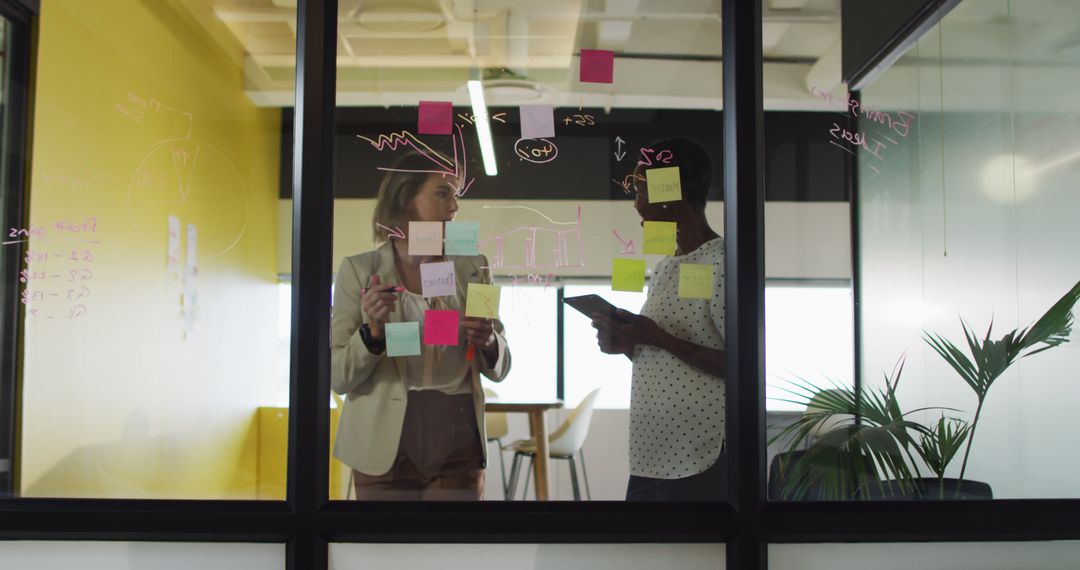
[(133, 399)]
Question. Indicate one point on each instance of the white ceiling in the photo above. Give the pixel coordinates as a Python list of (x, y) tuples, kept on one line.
[(397, 52)]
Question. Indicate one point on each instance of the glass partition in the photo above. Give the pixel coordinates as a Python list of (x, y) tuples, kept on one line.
[(966, 225), (531, 128), (149, 274)]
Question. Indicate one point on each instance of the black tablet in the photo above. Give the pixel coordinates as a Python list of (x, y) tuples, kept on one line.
[(589, 305)]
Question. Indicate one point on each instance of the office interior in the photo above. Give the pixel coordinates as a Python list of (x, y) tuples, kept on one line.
[(155, 266)]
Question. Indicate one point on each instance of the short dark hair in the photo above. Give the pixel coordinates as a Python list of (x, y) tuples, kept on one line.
[(695, 167)]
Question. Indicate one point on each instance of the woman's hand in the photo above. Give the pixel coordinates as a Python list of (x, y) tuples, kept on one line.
[(481, 333), (378, 301), (627, 330)]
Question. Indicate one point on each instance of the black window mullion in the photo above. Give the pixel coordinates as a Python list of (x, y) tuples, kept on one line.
[(744, 277), (312, 250)]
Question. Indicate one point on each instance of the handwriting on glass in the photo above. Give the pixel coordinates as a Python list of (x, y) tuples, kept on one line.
[(56, 275), (536, 151), (847, 141)]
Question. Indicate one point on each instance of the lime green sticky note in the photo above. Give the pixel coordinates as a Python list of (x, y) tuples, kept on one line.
[(695, 281), (482, 301), (402, 339), (627, 274), (663, 184), (660, 238)]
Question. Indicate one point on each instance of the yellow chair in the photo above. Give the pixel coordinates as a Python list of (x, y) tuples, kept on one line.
[(497, 427)]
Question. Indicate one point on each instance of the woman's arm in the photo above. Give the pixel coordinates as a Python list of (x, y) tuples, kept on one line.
[(351, 363), (629, 330)]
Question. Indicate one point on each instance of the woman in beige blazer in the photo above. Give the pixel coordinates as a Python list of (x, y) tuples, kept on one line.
[(412, 427)]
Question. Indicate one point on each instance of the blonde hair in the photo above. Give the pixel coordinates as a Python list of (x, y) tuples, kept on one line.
[(396, 193)]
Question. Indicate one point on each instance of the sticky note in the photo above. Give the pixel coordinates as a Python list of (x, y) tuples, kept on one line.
[(537, 121), (659, 238), (462, 238), (695, 281), (663, 184), (435, 118), (482, 301), (425, 238), (627, 274), (402, 339), (597, 66), (441, 327), (437, 279)]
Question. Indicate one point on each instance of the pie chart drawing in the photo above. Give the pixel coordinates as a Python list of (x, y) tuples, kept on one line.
[(196, 182)]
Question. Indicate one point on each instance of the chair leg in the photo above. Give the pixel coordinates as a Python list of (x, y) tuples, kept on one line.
[(585, 474), (511, 486), (502, 466), (528, 474), (573, 479)]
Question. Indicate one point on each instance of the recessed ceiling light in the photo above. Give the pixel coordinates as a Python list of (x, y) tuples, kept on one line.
[(400, 18)]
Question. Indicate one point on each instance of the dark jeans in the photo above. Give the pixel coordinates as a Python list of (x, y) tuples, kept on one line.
[(709, 485)]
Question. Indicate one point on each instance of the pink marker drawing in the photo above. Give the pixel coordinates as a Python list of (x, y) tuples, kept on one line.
[(396, 232), (517, 248), (458, 168), (628, 246)]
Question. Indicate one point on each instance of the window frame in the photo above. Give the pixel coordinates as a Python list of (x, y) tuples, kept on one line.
[(308, 522)]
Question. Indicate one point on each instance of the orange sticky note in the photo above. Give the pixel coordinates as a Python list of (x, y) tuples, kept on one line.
[(627, 274), (482, 301), (663, 184), (695, 281), (659, 238)]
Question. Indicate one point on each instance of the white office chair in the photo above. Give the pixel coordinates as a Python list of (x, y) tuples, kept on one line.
[(497, 427), (564, 443)]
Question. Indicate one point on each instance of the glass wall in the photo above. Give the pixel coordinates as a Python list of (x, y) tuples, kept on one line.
[(535, 125), (142, 555), (967, 222), (149, 275)]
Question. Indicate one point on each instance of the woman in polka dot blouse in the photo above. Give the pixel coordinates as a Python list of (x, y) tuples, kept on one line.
[(676, 343)]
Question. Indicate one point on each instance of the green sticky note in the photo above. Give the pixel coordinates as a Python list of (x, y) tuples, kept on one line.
[(660, 238), (627, 274), (482, 301), (695, 281), (402, 339), (663, 184), (462, 238)]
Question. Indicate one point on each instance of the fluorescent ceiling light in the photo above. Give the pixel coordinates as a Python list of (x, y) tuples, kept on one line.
[(483, 126)]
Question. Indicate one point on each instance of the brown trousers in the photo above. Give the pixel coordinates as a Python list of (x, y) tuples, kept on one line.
[(440, 456)]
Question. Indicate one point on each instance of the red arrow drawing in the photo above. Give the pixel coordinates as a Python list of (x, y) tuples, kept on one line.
[(628, 246), (396, 232)]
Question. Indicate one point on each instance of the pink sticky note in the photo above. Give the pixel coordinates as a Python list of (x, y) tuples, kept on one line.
[(537, 121), (436, 117), (597, 66), (441, 327)]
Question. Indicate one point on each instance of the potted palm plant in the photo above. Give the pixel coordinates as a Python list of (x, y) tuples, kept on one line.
[(861, 445)]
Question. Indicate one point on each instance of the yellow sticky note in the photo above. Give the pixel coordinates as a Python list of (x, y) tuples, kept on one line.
[(663, 184), (695, 281), (627, 274), (660, 238), (482, 301)]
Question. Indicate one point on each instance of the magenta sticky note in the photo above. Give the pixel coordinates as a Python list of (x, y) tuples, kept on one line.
[(441, 327), (597, 66), (436, 117)]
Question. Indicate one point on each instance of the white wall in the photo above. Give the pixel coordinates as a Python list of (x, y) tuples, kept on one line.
[(924, 556), (57, 555), (527, 556)]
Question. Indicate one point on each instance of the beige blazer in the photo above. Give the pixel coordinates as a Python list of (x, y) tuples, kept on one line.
[(374, 385)]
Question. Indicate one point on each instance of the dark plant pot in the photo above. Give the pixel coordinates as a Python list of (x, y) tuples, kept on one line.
[(931, 489)]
